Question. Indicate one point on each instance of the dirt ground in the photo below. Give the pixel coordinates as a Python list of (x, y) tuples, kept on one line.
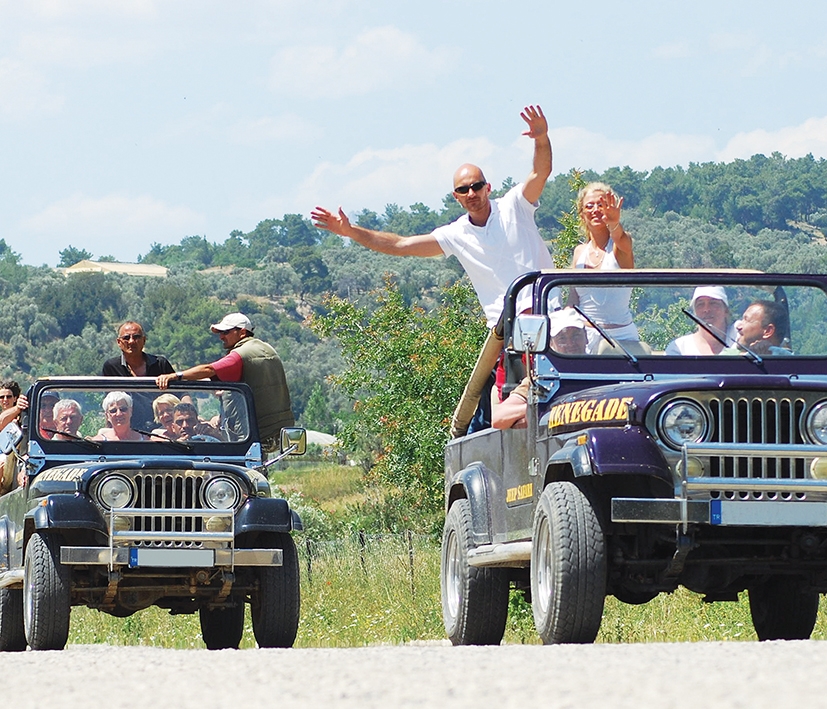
[(691, 675)]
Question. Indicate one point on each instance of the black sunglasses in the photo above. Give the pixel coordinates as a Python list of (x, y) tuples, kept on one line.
[(127, 338), (463, 189)]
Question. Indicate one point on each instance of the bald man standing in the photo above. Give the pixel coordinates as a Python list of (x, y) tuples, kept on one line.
[(495, 241)]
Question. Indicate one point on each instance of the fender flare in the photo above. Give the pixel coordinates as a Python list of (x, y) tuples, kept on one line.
[(265, 514), (472, 484), (67, 511), (627, 450)]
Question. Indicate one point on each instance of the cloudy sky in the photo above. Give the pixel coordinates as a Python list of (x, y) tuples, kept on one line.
[(125, 123)]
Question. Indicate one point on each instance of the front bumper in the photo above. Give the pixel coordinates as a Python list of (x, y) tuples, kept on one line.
[(737, 501), (734, 513), (161, 557), (170, 538)]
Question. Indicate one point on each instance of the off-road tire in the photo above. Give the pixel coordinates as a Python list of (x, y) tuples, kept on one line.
[(222, 628), (46, 589), (474, 599), (782, 609), (12, 632), (274, 604), (568, 566)]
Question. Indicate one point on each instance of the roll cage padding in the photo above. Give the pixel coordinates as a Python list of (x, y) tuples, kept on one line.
[(470, 398)]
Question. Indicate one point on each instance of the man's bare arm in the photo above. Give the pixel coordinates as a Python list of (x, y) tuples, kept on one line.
[(541, 168), (509, 413), (199, 371), (381, 241)]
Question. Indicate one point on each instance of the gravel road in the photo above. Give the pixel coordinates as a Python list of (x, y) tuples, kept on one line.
[(691, 675)]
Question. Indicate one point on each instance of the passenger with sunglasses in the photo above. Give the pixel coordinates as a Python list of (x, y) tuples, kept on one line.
[(133, 361), (117, 407), (11, 402), (495, 241), (9, 391)]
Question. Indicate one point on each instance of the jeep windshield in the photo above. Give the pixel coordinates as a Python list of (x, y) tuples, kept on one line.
[(724, 319), (107, 414)]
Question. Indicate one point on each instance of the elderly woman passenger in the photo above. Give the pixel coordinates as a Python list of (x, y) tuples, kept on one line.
[(710, 305), (162, 408), (117, 407)]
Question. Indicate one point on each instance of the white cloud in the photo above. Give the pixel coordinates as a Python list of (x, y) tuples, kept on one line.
[(580, 148), (24, 92), (378, 58), (62, 9), (117, 224), (757, 57), (422, 173), (673, 50), (791, 141), (268, 129), (60, 46), (411, 173)]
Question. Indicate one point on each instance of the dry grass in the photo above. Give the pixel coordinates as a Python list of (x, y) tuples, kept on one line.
[(355, 595)]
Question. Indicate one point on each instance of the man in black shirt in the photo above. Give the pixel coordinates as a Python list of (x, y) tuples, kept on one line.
[(134, 362)]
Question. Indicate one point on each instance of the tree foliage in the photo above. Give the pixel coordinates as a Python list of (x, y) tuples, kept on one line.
[(70, 256), (405, 367)]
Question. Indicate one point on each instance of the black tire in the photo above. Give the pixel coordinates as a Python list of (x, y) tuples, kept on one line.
[(474, 599), (12, 633), (782, 609), (568, 566), (222, 628), (46, 589), (275, 604)]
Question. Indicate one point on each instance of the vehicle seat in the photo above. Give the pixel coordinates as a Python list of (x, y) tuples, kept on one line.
[(636, 347)]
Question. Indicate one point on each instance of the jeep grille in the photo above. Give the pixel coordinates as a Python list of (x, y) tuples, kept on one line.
[(757, 419), (169, 490)]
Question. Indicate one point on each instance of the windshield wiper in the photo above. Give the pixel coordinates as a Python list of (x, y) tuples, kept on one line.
[(72, 436), (617, 344), (754, 356), (183, 444)]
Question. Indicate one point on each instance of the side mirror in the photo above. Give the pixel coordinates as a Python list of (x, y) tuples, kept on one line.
[(530, 333), (10, 436), (295, 438)]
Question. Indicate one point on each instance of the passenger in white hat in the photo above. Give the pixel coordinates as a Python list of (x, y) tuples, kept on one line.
[(711, 305), (254, 362), (567, 331)]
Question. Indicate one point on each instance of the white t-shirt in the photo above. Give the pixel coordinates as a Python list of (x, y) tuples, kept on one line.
[(493, 255)]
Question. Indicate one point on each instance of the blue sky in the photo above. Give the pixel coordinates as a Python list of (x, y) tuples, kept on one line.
[(139, 121)]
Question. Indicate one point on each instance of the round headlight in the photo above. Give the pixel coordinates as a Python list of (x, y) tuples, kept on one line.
[(115, 491), (817, 423), (221, 494), (683, 421)]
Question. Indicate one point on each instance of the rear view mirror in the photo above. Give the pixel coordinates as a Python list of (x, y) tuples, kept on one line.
[(10, 436), (294, 437), (530, 333)]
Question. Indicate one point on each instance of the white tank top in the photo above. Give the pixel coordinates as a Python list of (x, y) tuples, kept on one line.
[(606, 306)]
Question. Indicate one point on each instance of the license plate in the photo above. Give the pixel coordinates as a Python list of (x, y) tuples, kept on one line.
[(755, 513), (143, 556)]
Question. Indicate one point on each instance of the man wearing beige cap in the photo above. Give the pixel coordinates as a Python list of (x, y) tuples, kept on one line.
[(711, 306), (253, 362), (567, 331)]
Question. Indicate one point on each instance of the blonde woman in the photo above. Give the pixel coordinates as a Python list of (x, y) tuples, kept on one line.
[(162, 408), (608, 247)]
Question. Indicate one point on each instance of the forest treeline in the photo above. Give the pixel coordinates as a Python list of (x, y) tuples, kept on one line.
[(764, 213)]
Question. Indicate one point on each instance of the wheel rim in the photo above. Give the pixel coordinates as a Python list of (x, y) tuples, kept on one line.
[(543, 572), (452, 580), (28, 585)]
